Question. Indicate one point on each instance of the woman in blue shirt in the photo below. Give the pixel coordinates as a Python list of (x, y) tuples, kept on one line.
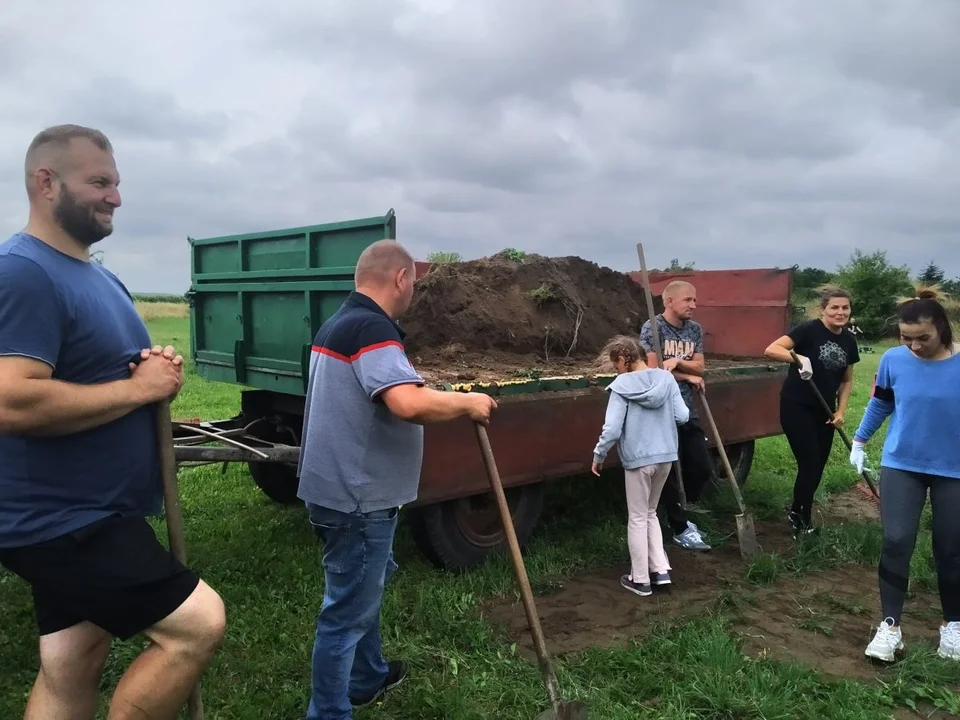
[(918, 388)]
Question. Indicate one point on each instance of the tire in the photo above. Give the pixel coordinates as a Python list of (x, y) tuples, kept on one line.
[(741, 460), (278, 481), (460, 534)]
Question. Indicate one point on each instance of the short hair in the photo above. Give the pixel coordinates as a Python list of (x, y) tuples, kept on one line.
[(379, 261), (674, 286), (59, 137), (829, 292)]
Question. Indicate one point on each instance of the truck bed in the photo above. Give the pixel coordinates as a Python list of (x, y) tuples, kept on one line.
[(458, 368)]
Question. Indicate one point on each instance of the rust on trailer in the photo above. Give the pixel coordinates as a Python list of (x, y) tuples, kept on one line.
[(741, 311), (550, 435)]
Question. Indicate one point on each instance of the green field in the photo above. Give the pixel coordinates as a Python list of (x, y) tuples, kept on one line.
[(704, 662)]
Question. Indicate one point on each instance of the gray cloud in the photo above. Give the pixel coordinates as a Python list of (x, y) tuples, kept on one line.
[(745, 134)]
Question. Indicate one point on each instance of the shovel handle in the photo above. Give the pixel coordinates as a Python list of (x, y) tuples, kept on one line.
[(546, 669), (174, 516), (718, 441), (840, 431), (655, 336)]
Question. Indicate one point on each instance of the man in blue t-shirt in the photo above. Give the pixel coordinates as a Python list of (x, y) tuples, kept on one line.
[(79, 469)]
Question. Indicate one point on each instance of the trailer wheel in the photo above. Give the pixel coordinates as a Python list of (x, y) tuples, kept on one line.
[(740, 456), (278, 481), (460, 534)]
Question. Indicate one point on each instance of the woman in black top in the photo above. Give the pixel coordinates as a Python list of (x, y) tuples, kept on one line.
[(827, 352)]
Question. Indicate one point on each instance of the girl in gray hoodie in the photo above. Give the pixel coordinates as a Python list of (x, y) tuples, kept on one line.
[(643, 411)]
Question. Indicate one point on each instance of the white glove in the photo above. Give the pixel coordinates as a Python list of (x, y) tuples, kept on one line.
[(806, 368), (858, 456)]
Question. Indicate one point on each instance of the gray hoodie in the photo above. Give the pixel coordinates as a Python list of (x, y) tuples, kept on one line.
[(643, 412)]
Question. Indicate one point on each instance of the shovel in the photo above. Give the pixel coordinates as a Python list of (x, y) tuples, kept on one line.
[(560, 710), (655, 333), (843, 436), (171, 507), (746, 533)]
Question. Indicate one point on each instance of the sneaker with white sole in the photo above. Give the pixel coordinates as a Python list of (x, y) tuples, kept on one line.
[(660, 578), (950, 641), (691, 539), (641, 589), (886, 643)]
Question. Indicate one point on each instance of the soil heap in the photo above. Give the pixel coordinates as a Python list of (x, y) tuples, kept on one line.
[(508, 311)]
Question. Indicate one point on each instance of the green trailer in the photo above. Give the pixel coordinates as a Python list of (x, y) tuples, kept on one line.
[(257, 301)]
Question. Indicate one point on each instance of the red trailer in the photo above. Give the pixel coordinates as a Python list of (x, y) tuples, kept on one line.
[(543, 430)]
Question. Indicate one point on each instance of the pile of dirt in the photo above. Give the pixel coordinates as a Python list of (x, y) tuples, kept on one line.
[(554, 311)]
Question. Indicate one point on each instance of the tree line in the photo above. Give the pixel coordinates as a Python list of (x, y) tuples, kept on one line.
[(876, 285)]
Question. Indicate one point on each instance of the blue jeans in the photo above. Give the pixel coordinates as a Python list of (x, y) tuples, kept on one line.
[(357, 563)]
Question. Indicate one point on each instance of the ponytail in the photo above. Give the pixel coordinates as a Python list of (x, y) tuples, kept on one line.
[(927, 304)]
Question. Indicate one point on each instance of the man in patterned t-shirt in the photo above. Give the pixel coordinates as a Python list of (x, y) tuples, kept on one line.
[(681, 344)]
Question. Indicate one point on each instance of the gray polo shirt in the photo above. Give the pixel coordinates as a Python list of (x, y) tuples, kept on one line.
[(356, 455)]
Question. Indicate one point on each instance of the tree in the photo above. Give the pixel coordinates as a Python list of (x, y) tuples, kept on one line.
[(676, 266), (806, 282), (932, 275), (875, 285)]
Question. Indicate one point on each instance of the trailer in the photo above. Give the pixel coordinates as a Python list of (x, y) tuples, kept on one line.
[(257, 301)]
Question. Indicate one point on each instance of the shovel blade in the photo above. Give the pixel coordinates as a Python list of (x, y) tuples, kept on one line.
[(747, 536), (573, 710)]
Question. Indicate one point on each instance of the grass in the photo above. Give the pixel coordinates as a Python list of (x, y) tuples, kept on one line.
[(264, 560)]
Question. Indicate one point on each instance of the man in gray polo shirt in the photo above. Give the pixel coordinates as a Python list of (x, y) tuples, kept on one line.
[(360, 461)]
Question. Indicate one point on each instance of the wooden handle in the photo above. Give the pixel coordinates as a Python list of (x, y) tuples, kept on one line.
[(546, 669), (840, 430), (655, 336), (174, 516), (718, 441)]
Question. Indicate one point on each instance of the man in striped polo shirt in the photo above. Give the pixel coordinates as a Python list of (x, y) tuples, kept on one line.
[(360, 461)]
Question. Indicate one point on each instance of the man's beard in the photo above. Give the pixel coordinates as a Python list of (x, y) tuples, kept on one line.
[(78, 220)]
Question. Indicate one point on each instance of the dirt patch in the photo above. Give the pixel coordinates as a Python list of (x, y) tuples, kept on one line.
[(856, 504), (823, 620), (520, 311), (592, 609)]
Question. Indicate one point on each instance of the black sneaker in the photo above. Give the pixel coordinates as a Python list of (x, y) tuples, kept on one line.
[(397, 674), (801, 526), (643, 590)]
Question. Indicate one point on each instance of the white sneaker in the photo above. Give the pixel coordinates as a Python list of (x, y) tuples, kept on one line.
[(886, 643), (950, 641)]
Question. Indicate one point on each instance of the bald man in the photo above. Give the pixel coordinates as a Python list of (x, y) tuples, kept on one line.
[(360, 462), (79, 463), (681, 345)]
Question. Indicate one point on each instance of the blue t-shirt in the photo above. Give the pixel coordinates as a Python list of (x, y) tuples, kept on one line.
[(922, 400), (79, 318)]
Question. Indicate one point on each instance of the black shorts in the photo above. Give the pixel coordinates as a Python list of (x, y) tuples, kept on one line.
[(113, 573)]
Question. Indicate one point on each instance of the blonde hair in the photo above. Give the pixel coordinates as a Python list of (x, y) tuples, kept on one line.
[(621, 346)]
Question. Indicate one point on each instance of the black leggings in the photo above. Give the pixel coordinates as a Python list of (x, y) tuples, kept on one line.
[(902, 497), (811, 440)]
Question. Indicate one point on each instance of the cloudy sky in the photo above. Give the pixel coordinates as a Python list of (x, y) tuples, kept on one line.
[(730, 134)]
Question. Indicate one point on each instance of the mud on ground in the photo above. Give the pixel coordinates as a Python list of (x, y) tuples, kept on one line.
[(822, 620)]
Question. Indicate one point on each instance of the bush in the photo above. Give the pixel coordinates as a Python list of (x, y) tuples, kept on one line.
[(158, 298), (876, 286), (442, 258)]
